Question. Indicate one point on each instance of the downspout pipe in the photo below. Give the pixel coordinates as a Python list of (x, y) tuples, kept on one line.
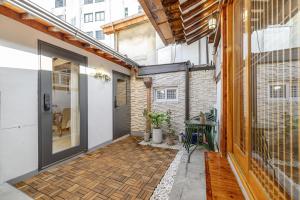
[(187, 90)]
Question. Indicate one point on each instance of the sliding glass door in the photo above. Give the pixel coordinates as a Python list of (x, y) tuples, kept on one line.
[(264, 95), (63, 97), (275, 67)]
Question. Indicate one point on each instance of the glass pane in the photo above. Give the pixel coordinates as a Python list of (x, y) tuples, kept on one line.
[(171, 94), (240, 56), (121, 92), (275, 105), (160, 94), (65, 105)]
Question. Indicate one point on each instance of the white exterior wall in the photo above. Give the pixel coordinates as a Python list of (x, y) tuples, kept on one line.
[(178, 53), (138, 43), (19, 97)]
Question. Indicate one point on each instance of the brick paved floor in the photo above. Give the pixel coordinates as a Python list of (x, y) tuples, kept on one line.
[(122, 170)]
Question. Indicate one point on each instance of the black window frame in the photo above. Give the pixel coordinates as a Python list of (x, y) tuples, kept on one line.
[(87, 2), (102, 35), (100, 19), (126, 11), (60, 3), (87, 14)]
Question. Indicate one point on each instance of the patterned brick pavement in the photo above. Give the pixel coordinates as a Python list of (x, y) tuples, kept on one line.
[(122, 170)]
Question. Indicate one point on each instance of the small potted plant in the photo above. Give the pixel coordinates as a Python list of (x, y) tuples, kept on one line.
[(147, 132), (170, 136), (157, 119)]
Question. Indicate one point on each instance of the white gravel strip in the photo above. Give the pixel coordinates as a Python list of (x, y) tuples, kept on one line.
[(177, 146), (164, 188)]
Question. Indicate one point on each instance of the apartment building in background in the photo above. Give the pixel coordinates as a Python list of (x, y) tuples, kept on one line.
[(90, 15)]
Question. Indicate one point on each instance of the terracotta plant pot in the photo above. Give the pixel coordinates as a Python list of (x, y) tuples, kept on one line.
[(147, 137), (157, 136)]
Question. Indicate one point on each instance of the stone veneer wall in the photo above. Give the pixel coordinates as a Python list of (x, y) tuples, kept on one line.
[(202, 97), (177, 108), (203, 91), (138, 104)]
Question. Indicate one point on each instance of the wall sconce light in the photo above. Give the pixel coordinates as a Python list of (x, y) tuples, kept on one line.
[(212, 22), (102, 76)]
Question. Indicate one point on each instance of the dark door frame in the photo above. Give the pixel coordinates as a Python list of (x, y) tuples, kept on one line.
[(43, 161), (113, 101)]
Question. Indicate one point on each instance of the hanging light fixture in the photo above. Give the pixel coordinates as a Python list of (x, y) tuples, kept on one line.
[(212, 22)]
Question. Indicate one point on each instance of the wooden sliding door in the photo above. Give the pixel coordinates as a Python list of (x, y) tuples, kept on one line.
[(263, 94), (276, 77), (240, 83)]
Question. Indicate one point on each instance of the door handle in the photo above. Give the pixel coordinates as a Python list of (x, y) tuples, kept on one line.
[(47, 102)]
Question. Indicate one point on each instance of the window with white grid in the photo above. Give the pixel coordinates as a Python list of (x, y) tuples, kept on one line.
[(160, 95), (171, 94), (166, 94)]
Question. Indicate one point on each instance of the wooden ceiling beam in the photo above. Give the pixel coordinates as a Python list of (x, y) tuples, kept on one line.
[(71, 37), (196, 26), (199, 8), (209, 11), (123, 24), (198, 32), (207, 32), (2, 2), (100, 52), (188, 4), (27, 16), (152, 17), (53, 29)]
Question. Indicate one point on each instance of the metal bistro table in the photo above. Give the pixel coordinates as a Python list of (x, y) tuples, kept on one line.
[(194, 126)]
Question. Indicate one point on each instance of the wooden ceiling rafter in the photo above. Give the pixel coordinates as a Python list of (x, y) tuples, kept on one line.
[(196, 26), (208, 11), (173, 13), (198, 32), (188, 4), (198, 9), (181, 22), (205, 33), (34, 22), (152, 12), (123, 24)]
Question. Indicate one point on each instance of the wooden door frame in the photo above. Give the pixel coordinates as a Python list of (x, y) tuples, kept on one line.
[(252, 186)]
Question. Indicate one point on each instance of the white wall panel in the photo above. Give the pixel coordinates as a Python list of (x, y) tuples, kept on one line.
[(19, 97)]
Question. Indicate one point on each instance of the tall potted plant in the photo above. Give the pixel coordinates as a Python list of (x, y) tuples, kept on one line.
[(147, 132), (157, 119), (170, 131)]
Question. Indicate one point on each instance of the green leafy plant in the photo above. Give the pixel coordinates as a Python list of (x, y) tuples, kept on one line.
[(157, 119), (170, 130)]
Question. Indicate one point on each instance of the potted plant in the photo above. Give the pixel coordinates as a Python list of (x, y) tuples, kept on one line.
[(157, 119), (170, 131), (147, 132)]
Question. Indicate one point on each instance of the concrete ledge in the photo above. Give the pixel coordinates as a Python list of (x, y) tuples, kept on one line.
[(137, 133), (23, 177)]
